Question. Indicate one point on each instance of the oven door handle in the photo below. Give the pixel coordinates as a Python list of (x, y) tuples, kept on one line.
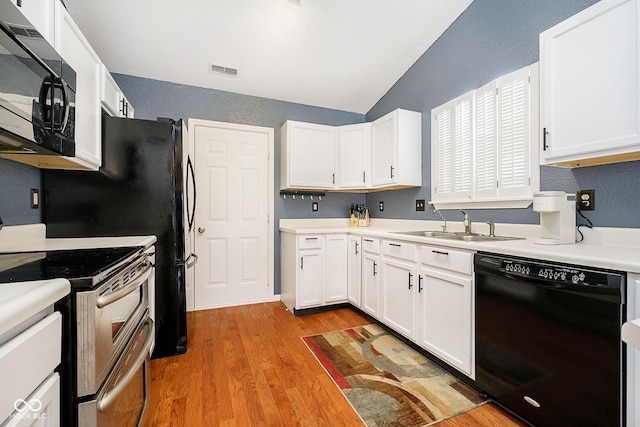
[(105, 300), (110, 396)]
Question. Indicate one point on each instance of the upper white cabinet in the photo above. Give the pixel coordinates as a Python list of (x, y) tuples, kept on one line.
[(386, 153), (590, 86), (308, 156), (41, 14), (354, 155), (76, 50), (397, 149), (113, 100), (484, 144)]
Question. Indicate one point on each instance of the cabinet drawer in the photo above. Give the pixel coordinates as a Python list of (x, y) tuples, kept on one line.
[(446, 258), (371, 245), (310, 242), (28, 359), (402, 250)]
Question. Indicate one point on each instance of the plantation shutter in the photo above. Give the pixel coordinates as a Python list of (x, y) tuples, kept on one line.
[(486, 142)]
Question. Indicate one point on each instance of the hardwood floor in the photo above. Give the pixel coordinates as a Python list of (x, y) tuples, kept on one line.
[(247, 366)]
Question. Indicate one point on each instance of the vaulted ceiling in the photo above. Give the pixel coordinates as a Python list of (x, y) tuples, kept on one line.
[(339, 54)]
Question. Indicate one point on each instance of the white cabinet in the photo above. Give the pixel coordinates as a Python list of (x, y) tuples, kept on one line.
[(445, 306), (397, 149), (633, 354), (590, 86), (41, 14), (27, 362), (77, 51), (386, 153), (371, 276), (335, 268), (314, 270), (398, 286), (310, 279), (354, 156), (113, 100), (354, 271), (484, 145), (308, 154)]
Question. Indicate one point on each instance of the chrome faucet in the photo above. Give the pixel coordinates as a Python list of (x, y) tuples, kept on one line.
[(467, 222), (492, 229), (444, 227)]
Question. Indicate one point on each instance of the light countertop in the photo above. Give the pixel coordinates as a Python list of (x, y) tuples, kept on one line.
[(608, 248), (21, 301), (27, 238)]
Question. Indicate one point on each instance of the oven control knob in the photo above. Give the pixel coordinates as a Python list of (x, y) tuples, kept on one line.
[(200, 230)]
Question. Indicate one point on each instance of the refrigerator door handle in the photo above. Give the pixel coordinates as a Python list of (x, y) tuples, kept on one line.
[(192, 215), (191, 260)]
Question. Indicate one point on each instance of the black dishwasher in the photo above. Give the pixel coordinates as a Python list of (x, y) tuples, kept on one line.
[(548, 341)]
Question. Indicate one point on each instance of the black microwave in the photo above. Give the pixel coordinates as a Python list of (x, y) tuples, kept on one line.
[(37, 91)]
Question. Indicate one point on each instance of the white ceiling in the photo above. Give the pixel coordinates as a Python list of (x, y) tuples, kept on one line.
[(339, 54)]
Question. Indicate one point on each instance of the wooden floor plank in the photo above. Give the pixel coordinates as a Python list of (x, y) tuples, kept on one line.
[(247, 365)]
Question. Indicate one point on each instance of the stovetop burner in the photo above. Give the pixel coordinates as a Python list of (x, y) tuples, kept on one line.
[(82, 267)]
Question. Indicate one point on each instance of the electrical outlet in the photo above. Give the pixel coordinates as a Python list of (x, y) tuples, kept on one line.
[(585, 200), (381, 206), (314, 206), (420, 205), (35, 198)]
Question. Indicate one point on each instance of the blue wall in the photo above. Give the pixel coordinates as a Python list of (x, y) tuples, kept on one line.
[(492, 38), (16, 182)]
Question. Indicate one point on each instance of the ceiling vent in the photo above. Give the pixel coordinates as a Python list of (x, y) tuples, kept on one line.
[(221, 69)]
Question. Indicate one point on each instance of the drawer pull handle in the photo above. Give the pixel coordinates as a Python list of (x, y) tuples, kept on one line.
[(368, 240), (397, 245), (440, 252), (310, 238)]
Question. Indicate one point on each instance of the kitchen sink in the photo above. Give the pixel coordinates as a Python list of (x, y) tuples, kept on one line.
[(458, 235)]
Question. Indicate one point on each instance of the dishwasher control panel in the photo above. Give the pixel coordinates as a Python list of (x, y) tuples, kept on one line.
[(560, 274)]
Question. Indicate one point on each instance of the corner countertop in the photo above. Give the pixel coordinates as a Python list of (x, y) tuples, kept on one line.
[(603, 247), (21, 301), (32, 237)]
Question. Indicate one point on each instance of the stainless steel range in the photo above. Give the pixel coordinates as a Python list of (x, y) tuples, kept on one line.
[(107, 331)]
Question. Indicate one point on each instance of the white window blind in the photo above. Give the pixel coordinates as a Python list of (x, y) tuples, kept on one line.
[(443, 142), (486, 147), (463, 146)]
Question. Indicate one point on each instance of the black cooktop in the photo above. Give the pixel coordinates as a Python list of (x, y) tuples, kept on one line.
[(82, 267)]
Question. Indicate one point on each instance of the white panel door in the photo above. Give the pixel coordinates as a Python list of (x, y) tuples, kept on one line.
[(235, 187)]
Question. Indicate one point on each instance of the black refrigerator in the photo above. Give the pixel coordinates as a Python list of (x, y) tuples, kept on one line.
[(142, 188)]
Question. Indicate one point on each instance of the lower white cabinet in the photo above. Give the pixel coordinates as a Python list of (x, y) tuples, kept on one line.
[(371, 276), (398, 287), (354, 271), (314, 270), (445, 306)]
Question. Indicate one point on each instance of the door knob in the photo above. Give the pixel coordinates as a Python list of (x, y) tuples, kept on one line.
[(200, 230)]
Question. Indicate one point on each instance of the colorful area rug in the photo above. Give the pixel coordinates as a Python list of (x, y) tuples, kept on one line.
[(387, 382)]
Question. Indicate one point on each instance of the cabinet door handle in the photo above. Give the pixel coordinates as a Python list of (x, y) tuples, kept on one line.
[(544, 139), (333, 178), (391, 172), (301, 263), (440, 252), (364, 177), (410, 276), (374, 268), (397, 245), (356, 248), (419, 283)]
